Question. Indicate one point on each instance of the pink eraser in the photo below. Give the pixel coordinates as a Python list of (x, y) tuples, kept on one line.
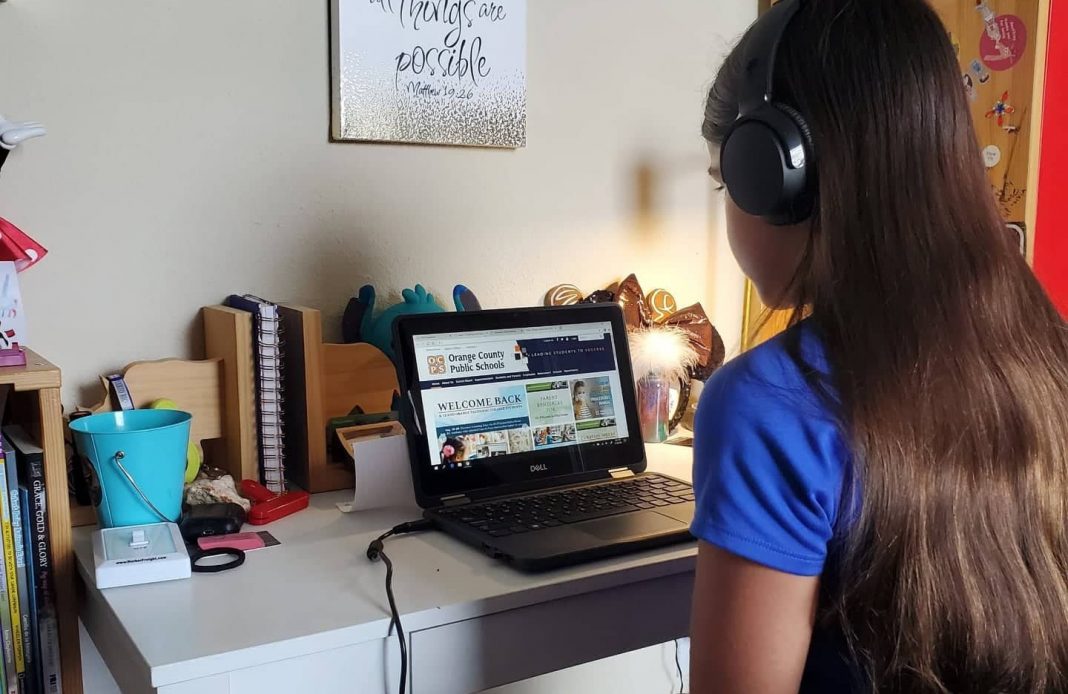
[(243, 541)]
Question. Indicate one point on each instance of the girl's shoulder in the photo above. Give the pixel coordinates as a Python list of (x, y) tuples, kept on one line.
[(769, 459), (789, 373)]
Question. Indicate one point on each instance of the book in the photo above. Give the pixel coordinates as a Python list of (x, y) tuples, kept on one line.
[(6, 634), (30, 465), (35, 636), (268, 353), (3, 672), (18, 533), (12, 605), (11, 680)]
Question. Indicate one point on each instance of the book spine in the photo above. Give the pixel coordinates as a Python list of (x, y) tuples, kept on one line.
[(267, 362), (18, 533), (47, 625), (12, 574), (27, 551), (272, 397), (10, 673), (3, 669)]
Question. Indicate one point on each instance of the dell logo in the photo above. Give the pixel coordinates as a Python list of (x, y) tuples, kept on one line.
[(542, 467)]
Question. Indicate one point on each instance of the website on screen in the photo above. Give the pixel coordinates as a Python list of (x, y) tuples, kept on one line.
[(496, 393)]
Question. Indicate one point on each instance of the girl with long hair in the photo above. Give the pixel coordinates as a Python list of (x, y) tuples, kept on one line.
[(882, 490)]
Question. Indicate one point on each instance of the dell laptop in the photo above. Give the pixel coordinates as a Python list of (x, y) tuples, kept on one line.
[(524, 437)]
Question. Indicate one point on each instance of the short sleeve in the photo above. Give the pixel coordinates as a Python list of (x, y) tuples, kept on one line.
[(769, 465)]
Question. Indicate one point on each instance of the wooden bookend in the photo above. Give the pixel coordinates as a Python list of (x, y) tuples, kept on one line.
[(335, 380), (228, 337), (195, 386)]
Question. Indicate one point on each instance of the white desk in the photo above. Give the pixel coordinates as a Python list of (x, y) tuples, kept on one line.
[(311, 615)]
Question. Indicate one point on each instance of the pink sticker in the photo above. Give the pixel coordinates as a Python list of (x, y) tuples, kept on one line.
[(1003, 43)]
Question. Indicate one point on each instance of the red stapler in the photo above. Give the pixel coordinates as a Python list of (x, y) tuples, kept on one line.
[(268, 506)]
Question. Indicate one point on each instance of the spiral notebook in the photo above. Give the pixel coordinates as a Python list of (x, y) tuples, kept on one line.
[(268, 351)]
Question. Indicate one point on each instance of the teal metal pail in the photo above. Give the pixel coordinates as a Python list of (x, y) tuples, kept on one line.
[(139, 457)]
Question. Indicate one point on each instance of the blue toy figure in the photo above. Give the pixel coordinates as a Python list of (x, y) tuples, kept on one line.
[(359, 323)]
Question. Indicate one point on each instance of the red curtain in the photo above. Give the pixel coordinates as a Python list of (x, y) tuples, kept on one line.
[(1051, 234)]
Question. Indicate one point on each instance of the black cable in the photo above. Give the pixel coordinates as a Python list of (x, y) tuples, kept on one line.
[(374, 553), (678, 666), (395, 622)]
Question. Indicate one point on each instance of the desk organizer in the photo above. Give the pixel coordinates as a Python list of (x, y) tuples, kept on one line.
[(324, 381)]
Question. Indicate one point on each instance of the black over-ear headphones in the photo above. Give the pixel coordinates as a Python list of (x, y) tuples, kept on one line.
[(766, 159)]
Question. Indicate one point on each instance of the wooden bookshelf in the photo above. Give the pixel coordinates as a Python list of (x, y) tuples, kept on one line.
[(34, 402), (81, 515)]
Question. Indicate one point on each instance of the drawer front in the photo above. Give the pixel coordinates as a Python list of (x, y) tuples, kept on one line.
[(506, 647), (358, 668)]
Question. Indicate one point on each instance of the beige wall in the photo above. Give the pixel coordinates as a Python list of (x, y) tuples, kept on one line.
[(187, 158)]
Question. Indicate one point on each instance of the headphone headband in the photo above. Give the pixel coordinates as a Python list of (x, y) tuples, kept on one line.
[(760, 53), (766, 155)]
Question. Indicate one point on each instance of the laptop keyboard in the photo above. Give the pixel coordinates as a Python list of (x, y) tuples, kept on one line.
[(547, 510)]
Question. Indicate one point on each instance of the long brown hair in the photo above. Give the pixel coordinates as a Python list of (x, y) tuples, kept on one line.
[(949, 363)]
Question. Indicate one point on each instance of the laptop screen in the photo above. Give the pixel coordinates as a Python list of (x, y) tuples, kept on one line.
[(494, 393), (507, 397)]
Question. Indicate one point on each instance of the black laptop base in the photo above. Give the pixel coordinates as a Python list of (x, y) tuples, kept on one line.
[(569, 525), (524, 435)]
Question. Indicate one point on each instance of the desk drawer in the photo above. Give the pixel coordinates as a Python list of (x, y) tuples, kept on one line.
[(357, 668), (506, 647)]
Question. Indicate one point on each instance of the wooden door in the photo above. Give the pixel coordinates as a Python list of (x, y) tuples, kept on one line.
[(998, 46)]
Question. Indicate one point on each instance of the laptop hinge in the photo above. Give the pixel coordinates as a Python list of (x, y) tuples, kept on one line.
[(455, 500), (621, 472)]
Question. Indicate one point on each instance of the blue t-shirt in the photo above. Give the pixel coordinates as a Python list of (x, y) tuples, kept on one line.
[(770, 464)]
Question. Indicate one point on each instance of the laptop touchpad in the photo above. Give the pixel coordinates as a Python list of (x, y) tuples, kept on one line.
[(630, 525)]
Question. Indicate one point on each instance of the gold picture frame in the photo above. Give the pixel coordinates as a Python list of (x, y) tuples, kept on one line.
[(759, 323)]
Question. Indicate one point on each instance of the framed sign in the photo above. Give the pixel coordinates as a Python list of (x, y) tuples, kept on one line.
[(443, 72)]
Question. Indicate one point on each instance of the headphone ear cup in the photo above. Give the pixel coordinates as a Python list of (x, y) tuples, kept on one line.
[(802, 125), (803, 199), (764, 163), (751, 166)]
